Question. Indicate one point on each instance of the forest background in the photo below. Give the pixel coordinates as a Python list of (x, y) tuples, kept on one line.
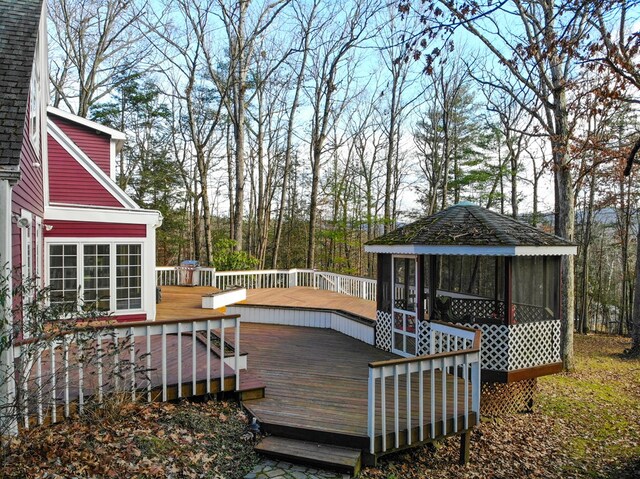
[(287, 133)]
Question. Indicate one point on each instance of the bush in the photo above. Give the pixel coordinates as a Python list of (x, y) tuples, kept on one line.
[(225, 258)]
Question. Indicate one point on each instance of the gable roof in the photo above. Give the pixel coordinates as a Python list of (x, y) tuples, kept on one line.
[(19, 21), (470, 229)]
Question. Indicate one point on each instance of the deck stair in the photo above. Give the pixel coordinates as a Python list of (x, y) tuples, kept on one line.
[(251, 387), (311, 453)]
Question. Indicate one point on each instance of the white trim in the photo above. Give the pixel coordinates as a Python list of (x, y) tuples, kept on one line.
[(58, 135), (113, 149), (115, 134), (39, 250), (104, 215), (473, 250)]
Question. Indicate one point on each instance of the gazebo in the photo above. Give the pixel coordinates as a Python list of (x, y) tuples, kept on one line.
[(474, 267)]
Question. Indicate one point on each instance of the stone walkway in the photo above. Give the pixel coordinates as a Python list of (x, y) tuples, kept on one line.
[(269, 469)]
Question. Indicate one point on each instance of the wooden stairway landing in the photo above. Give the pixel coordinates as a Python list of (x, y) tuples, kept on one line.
[(318, 455)]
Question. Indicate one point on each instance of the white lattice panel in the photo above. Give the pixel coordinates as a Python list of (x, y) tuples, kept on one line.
[(383, 330), (424, 335), (534, 344), (494, 346)]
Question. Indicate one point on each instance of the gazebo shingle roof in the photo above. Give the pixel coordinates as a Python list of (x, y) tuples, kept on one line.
[(469, 225), (19, 22)]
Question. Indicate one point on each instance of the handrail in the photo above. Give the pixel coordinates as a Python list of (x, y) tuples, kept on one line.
[(446, 368)]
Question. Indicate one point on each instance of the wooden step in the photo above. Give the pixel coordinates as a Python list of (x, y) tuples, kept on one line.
[(311, 453), (250, 387)]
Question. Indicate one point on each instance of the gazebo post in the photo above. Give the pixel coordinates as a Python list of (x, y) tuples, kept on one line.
[(420, 292), (508, 290), (433, 283)]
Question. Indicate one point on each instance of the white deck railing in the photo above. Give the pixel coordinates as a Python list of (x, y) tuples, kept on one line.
[(269, 278), (454, 365), (58, 374)]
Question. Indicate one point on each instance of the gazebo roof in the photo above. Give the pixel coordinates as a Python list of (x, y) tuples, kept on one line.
[(470, 229)]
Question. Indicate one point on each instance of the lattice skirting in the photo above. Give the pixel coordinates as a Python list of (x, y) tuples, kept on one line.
[(383, 330), (499, 399), (507, 348)]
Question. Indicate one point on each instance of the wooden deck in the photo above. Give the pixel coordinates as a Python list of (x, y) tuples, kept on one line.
[(184, 302), (317, 387), (312, 298), (181, 302)]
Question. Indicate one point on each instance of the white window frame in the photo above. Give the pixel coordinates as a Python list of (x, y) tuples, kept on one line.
[(35, 115), (112, 242)]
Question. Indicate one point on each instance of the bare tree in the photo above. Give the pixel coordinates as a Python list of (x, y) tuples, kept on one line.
[(330, 78), (538, 47), (96, 46)]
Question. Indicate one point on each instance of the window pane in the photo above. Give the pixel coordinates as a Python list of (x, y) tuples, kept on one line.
[(129, 276), (97, 272)]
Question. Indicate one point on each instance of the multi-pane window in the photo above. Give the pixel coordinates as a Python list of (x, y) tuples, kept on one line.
[(63, 274), (97, 268), (128, 276), (97, 273)]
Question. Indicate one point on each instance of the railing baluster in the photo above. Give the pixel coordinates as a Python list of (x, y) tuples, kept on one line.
[(99, 366), (396, 407), (236, 350), (52, 364), (132, 361), (455, 394), (222, 355), (383, 407), (421, 399), (443, 372), (65, 366), (193, 358), (465, 377), (148, 341), (179, 360), (433, 400), (39, 383), (208, 356), (408, 386), (164, 362)]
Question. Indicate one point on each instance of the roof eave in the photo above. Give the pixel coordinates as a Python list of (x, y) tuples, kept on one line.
[(473, 250)]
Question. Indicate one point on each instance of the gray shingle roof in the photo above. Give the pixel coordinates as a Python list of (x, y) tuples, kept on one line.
[(469, 225), (19, 20)]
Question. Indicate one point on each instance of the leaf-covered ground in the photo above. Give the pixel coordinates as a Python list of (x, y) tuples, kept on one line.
[(586, 424), (188, 440)]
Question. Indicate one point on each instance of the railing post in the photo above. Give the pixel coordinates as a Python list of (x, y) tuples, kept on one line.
[(371, 407), (293, 278), (475, 386)]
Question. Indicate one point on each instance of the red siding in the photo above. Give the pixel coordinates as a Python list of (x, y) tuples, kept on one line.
[(129, 317), (28, 193), (70, 183), (86, 229), (96, 145)]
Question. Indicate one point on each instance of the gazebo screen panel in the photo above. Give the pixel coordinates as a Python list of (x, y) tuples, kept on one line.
[(470, 289), (535, 288)]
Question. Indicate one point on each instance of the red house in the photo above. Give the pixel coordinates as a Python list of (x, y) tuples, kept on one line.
[(64, 220)]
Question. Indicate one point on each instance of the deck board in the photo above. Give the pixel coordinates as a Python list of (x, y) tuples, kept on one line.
[(182, 302)]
